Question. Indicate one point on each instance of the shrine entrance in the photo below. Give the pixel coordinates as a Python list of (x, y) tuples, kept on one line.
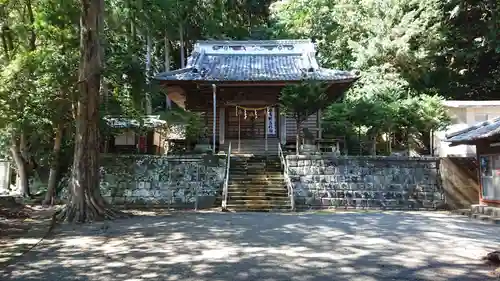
[(246, 122), (251, 126)]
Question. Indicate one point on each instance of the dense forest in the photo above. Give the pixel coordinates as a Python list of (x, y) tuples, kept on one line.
[(65, 63)]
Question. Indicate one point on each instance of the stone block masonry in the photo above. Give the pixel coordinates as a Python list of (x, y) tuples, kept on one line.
[(176, 181), (365, 182)]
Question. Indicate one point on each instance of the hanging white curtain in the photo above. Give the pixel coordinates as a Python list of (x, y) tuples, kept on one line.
[(271, 121)]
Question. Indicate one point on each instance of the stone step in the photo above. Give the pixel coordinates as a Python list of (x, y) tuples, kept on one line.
[(241, 194), (263, 164), (236, 165), (245, 192), (271, 208), (258, 204), (245, 163), (255, 172), (486, 210), (273, 188), (257, 186), (263, 159), (235, 198), (253, 189), (255, 179)]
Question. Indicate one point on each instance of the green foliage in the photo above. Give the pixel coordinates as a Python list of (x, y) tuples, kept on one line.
[(468, 61), (302, 100), (409, 52), (393, 43), (194, 127)]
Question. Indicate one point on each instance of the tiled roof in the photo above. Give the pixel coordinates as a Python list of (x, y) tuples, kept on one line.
[(255, 61), (476, 132)]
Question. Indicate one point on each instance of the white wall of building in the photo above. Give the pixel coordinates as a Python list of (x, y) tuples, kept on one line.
[(464, 114)]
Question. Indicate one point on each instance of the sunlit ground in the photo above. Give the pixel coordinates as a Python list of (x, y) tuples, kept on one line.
[(256, 246)]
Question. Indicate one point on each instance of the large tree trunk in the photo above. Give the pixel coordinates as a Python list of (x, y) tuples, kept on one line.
[(22, 169), (20, 153), (85, 202), (54, 167)]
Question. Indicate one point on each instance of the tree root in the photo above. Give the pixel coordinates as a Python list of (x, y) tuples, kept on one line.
[(73, 214)]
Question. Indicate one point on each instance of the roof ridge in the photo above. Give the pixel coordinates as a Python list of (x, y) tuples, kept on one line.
[(256, 54), (277, 41)]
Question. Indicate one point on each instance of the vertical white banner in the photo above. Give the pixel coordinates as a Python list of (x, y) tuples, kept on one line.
[(271, 121)]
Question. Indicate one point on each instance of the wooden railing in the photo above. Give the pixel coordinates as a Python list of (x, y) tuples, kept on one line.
[(226, 179), (288, 182)]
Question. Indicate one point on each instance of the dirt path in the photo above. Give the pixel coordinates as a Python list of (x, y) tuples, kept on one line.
[(21, 227), (383, 246)]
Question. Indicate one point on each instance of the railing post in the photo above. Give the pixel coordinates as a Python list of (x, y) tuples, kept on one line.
[(289, 185), (226, 179), (197, 187)]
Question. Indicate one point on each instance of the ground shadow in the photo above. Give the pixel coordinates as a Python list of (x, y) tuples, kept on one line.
[(258, 246)]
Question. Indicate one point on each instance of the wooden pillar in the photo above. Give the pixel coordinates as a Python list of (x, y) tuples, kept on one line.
[(239, 131), (282, 122), (320, 129), (222, 129), (214, 123), (266, 124)]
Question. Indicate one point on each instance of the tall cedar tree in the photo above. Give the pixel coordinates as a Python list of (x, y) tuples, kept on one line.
[(86, 202)]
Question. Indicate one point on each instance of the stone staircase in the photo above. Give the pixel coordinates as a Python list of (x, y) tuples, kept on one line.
[(257, 184)]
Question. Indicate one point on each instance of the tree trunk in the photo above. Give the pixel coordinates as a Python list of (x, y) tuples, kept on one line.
[(389, 142), (408, 141), (181, 43), (167, 65), (85, 202), (374, 145), (22, 171), (54, 167), (32, 39), (167, 51)]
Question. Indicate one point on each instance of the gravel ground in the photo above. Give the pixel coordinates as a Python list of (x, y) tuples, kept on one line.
[(257, 246)]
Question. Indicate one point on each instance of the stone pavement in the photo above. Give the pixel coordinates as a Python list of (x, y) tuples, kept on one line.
[(265, 246)]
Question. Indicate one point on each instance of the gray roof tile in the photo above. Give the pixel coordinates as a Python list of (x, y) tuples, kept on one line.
[(476, 132), (255, 65)]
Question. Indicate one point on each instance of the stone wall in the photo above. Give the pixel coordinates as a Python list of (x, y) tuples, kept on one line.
[(162, 180), (365, 182)]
